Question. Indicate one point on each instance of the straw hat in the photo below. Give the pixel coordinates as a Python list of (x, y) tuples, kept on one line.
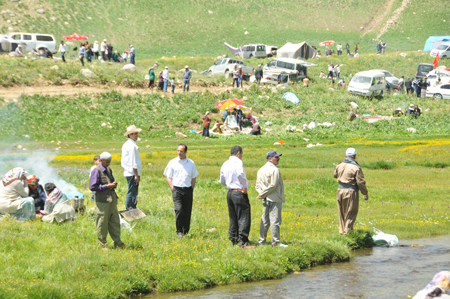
[(186, 67), (96, 42), (104, 40), (132, 129)]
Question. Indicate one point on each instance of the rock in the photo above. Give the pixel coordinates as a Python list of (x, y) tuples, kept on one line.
[(52, 19), (19, 146), (211, 230), (180, 135), (41, 11), (354, 105), (66, 23), (120, 19), (8, 21), (23, 65), (148, 146), (55, 67), (10, 29), (403, 55), (87, 73), (246, 33), (89, 18), (411, 130), (209, 11), (129, 67)]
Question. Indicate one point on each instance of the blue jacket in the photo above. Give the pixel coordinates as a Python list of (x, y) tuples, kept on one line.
[(39, 197)]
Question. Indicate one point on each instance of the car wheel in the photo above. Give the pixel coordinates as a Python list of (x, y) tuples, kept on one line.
[(227, 74), (250, 57), (444, 57), (438, 96)]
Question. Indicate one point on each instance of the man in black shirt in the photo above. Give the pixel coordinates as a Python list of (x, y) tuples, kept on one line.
[(110, 51)]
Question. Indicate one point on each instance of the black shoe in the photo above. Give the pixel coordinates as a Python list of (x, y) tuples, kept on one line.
[(242, 243)]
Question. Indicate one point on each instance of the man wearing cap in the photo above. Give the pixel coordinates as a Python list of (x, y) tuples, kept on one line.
[(131, 163), (165, 76), (206, 124), (270, 188), (103, 49), (225, 114), (258, 74), (19, 51), (186, 78), (232, 175), (398, 112), (107, 219), (351, 180), (181, 174), (132, 54), (36, 191), (410, 110)]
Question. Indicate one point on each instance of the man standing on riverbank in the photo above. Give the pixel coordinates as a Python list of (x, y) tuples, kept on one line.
[(131, 163), (271, 190), (351, 180), (107, 219), (232, 175), (181, 174)]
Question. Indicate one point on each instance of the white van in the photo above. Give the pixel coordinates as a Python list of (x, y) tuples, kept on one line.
[(290, 64), (368, 83), (443, 50), (32, 41), (253, 51)]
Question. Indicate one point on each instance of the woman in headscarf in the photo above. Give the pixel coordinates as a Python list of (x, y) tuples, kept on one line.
[(57, 206), (151, 74), (14, 198), (436, 288)]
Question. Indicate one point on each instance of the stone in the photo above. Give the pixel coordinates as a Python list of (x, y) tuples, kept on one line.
[(211, 230), (52, 19), (89, 18), (120, 19), (210, 12), (8, 21), (246, 33), (180, 135), (23, 65), (75, 81), (125, 80), (55, 67), (10, 29), (66, 23), (87, 73), (129, 67), (41, 11)]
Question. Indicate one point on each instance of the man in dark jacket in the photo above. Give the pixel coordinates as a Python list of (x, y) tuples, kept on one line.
[(408, 85), (110, 51), (258, 74)]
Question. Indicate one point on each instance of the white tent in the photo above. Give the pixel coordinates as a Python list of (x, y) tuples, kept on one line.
[(302, 50)]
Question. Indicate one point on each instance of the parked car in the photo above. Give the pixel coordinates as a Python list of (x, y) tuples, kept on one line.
[(433, 78), (368, 83), (391, 79), (276, 77), (32, 41), (290, 64), (423, 69), (271, 51), (443, 50), (253, 51), (226, 66), (439, 92)]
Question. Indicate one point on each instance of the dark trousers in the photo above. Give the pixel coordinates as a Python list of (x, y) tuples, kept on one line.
[(237, 82), (205, 132), (151, 83), (160, 85), (109, 56), (240, 217), (82, 60), (182, 201), (103, 55), (409, 90), (258, 81), (255, 133), (132, 193), (62, 56), (96, 55)]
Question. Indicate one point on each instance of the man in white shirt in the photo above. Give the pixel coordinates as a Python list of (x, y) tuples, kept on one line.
[(181, 175), (271, 190), (131, 163), (63, 50), (339, 49), (165, 75), (103, 49), (337, 71), (232, 175)]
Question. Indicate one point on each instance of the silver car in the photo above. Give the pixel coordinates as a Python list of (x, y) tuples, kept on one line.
[(391, 79), (225, 67)]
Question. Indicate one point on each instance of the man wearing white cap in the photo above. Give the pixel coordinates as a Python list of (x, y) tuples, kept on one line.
[(410, 110), (186, 78), (131, 163), (132, 51), (107, 219), (351, 180), (165, 76)]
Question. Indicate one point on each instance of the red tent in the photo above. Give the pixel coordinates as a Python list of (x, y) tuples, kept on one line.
[(75, 37)]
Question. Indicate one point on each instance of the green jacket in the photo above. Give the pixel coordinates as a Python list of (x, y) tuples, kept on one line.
[(151, 73), (115, 57)]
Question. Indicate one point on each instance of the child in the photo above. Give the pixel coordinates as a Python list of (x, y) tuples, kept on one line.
[(96, 162), (172, 83), (125, 55)]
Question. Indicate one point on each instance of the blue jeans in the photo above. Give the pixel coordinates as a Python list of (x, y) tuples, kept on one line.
[(186, 85), (132, 58), (240, 82), (415, 90), (132, 193), (166, 82), (62, 56)]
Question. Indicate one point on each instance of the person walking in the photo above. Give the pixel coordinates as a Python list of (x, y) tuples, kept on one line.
[(351, 180), (409, 86), (330, 71), (181, 174), (401, 84), (187, 74), (339, 49), (82, 53), (151, 75), (206, 124), (379, 47), (258, 74), (241, 77), (383, 46), (131, 164), (165, 75), (103, 49), (62, 50), (132, 52), (95, 50), (347, 47), (337, 71), (232, 175), (235, 76), (270, 188), (239, 117), (107, 218)]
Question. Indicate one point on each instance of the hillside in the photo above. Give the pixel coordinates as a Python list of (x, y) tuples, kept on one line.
[(186, 28)]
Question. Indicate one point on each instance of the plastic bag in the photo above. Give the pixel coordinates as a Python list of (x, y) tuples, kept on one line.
[(125, 225), (380, 238)]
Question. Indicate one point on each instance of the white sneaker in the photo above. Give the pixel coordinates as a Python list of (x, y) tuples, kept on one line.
[(281, 245)]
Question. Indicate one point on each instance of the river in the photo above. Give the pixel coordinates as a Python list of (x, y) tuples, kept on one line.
[(380, 272)]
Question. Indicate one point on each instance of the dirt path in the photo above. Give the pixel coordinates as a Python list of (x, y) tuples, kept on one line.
[(393, 20), (377, 18)]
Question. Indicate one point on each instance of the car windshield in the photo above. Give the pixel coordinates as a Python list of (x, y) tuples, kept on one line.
[(425, 68), (362, 80), (442, 47)]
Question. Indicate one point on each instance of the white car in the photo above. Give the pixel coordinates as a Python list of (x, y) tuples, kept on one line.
[(439, 92), (391, 79), (226, 66), (433, 78), (32, 41), (276, 77), (443, 50)]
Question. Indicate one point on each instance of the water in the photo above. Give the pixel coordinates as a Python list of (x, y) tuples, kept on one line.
[(373, 273)]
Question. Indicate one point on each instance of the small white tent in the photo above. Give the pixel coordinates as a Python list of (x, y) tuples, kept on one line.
[(302, 50)]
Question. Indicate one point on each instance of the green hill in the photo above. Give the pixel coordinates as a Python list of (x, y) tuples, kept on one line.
[(187, 28)]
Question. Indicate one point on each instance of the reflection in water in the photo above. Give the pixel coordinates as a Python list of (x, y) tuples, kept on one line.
[(375, 273)]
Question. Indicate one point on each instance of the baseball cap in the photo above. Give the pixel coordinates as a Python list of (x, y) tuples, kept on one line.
[(350, 151), (272, 154)]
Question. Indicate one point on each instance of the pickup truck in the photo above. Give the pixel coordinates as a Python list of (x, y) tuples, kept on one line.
[(225, 67)]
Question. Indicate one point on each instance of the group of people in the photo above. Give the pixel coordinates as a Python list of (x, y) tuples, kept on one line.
[(381, 47), (413, 111), (329, 52), (233, 120), (164, 79)]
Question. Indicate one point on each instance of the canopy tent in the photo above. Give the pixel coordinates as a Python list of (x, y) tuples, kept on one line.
[(434, 41), (302, 50)]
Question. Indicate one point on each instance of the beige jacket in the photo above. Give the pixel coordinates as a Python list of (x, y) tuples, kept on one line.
[(350, 174), (10, 196), (269, 183)]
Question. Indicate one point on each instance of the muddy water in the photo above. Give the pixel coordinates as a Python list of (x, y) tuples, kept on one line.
[(376, 273)]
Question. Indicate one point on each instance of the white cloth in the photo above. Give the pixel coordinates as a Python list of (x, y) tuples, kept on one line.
[(124, 55), (232, 174), (60, 213), (13, 174), (62, 48), (11, 195), (330, 68), (181, 172), (337, 69), (103, 46), (166, 74), (130, 158), (95, 49)]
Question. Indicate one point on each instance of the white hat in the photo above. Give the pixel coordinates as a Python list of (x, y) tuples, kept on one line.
[(104, 40), (350, 151), (259, 65), (105, 156), (399, 108), (207, 112), (226, 108), (96, 42), (412, 105), (240, 67), (166, 67), (131, 46), (186, 67), (131, 129)]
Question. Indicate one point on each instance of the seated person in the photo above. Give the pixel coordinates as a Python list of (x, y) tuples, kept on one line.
[(417, 111), (36, 191), (57, 206), (35, 52), (322, 75), (256, 129), (48, 54), (231, 122), (410, 110), (318, 54), (398, 112), (351, 116), (115, 56), (216, 128), (19, 51), (438, 287), (14, 198)]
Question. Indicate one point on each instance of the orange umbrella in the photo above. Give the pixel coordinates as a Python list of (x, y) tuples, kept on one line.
[(230, 104), (75, 37)]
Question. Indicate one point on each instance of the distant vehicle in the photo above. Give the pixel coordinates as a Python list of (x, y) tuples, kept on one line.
[(226, 66), (32, 41), (271, 51), (275, 77), (253, 51), (433, 78), (368, 83), (423, 69), (439, 92), (391, 79), (443, 50), (290, 64)]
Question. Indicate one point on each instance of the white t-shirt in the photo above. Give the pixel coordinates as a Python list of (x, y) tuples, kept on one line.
[(95, 48), (130, 158), (103, 46), (181, 172), (166, 74), (62, 48)]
